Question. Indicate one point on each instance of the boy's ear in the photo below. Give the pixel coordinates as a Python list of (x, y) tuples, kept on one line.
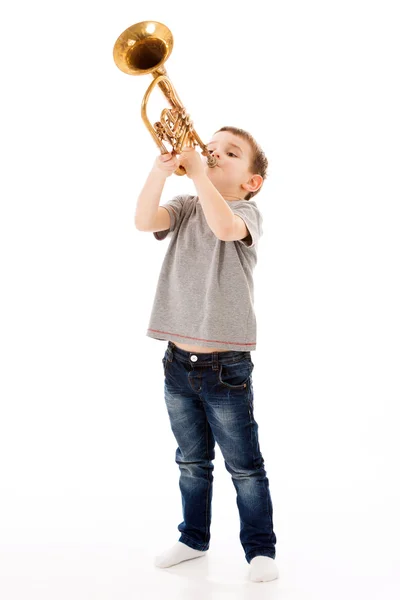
[(253, 184)]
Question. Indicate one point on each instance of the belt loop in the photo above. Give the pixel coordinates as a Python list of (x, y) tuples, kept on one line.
[(215, 361)]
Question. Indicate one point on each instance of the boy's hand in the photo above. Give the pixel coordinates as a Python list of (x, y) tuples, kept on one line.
[(166, 164), (191, 161)]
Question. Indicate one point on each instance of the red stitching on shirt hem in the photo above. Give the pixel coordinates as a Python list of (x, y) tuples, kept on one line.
[(187, 337)]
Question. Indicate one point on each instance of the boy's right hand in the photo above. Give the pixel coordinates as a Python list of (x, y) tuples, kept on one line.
[(166, 163)]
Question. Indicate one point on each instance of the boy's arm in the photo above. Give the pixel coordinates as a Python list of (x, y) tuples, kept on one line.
[(147, 204), (219, 216)]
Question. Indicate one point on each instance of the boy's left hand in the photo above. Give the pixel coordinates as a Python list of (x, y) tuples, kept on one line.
[(191, 161)]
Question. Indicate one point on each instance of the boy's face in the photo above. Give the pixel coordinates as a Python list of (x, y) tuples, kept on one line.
[(232, 171)]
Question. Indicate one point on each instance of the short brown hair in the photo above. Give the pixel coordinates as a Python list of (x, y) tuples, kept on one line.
[(259, 162)]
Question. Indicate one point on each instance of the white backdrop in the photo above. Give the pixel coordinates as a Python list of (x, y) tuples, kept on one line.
[(87, 454)]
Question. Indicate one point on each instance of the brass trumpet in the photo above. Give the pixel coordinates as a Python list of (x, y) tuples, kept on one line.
[(143, 49)]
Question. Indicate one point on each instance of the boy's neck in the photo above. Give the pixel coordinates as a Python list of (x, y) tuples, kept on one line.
[(230, 197)]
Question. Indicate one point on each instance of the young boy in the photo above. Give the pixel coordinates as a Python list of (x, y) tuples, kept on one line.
[(204, 308)]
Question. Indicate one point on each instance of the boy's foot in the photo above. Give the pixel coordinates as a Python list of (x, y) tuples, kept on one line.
[(263, 568), (178, 553)]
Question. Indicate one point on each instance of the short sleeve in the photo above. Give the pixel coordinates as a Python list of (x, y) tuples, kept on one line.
[(251, 215), (175, 208)]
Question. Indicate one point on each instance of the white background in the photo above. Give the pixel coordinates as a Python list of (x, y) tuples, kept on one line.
[(88, 483)]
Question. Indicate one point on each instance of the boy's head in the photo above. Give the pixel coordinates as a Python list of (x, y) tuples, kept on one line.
[(241, 163)]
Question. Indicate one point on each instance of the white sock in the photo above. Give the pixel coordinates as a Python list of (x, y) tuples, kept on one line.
[(178, 553), (263, 568)]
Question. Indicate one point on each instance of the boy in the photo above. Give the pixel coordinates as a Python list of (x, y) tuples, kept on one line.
[(203, 307)]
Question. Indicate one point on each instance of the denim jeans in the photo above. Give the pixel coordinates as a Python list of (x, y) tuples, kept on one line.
[(209, 398)]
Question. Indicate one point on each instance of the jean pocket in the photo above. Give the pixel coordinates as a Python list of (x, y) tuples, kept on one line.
[(236, 375), (166, 363)]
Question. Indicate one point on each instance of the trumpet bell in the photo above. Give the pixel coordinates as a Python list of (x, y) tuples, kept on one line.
[(143, 48)]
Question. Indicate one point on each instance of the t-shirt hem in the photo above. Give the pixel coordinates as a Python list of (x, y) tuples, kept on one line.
[(167, 336)]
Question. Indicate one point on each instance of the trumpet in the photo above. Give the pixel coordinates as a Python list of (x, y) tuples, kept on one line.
[(143, 49)]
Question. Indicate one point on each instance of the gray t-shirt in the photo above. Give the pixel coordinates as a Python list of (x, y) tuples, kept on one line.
[(205, 293)]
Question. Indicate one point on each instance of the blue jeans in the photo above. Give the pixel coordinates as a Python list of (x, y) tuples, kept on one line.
[(209, 398)]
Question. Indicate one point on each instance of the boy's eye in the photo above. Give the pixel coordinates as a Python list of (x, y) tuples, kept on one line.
[(232, 154)]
